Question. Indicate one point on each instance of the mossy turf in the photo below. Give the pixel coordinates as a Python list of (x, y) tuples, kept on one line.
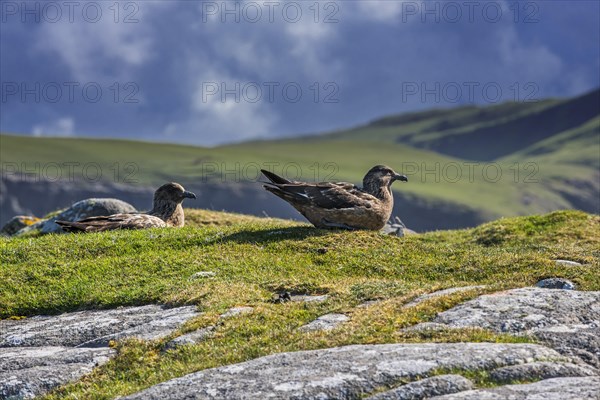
[(254, 259)]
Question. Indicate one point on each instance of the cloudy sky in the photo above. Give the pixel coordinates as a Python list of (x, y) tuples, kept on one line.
[(212, 72)]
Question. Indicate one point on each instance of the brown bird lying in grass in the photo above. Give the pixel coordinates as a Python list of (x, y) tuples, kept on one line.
[(341, 205), (166, 212)]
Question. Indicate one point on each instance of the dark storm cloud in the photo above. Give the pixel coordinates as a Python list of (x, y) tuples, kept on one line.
[(188, 72)]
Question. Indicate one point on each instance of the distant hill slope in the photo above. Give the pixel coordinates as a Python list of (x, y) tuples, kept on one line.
[(465, 165), (497, 139), (483, 134)]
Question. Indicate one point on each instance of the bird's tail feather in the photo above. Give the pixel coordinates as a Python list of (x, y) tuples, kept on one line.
[(290, 197), (69, 226), (274, 177)]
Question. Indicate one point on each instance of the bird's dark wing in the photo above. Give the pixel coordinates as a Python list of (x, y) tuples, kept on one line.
[(324, 195), (113, 222)]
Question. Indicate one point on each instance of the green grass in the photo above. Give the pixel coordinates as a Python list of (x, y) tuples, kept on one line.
[(255, 258), (52, 274)]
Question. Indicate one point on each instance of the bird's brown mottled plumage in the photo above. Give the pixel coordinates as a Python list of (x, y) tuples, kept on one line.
[(341, 204), (166, 212)]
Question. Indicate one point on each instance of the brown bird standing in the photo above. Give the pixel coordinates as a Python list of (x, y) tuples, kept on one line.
[(166, 212), (341, 204)]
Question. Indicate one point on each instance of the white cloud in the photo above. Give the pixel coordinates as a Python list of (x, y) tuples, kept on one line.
[(90, 49), (247, 53), (241, 117), (251, 54), (309, 43), (278, 44), (381, 10), (533, 62), (60, 127), (213, 119), (369, 53)]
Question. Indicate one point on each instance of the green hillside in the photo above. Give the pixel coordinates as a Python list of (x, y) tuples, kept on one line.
[(349, 160), (532, 157), (483, 134), (423, 127)]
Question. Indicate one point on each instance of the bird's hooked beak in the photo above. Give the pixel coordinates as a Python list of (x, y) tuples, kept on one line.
[(189, 195), (399, 177)]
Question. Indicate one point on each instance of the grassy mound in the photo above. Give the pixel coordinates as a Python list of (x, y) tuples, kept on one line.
[(255, 258)]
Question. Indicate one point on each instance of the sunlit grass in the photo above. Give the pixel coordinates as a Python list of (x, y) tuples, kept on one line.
[(255, 258)]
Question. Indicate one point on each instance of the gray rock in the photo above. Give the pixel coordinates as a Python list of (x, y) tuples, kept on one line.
[(348, 372), (549, 389), (582, 343), (190, 338), (556, 283), (567, 263), (299, 298), (232, 312), (39, 353), (368, 303), (17, 223), (540, 370), (425, 388), (427, 326), (28, 371), (95, 328), (82, 209), (566, 320), (439, 293), (203, 274), (15, 359), (325, 322), (308, 298), (397, 228)]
